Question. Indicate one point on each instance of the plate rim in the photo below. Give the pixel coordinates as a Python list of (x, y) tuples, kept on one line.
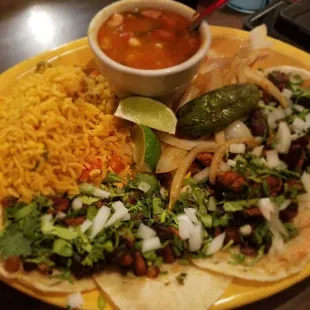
[(227, 301)]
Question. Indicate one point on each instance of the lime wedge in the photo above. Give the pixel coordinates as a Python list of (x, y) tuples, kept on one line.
[(148, 112), (147, 148)]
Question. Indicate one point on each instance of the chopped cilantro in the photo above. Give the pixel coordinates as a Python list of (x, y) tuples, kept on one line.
[(222, 220), (88, 200), (206, 220), (239, 205), (14, 243), (296, 79), (158, 262), (181, 278), (150, 256), (64, 276), (237, 259), (279, 200), (25, 211), (261, 232), (91, 212), (228, 245), (291, 229), (147, 178), (266, 188), (157, 206), (258, 256), (184, 262), (113, 178)]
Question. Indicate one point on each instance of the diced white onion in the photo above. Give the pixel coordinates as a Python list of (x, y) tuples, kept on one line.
[(237, 148), (75, 300), (307, 120), (163, 193), (151, 244), (60, 215), (266, 207), (288, 111), (99, 221), (298, 124), (224, 166), (126, 217), (231, 163), (276, 224), (98, 192), (245, 230), (144, 187), (305, 179), (195, 238), (258, 151), (216, 244), (185, 226), (277, 245), (298, 107), (77, 204), (237, 130), (285, 204), (191, 213), (120, 213), (86, 225), (272, 159), (283, 138), (212, 204), (86, 188), (117, 205), (274, 116), (145, 232), (202, 175), (287, 93)]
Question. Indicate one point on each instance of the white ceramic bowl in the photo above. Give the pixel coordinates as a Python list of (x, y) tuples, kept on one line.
[(152, 83)]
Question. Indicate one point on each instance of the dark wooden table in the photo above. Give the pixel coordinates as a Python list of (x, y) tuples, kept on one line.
[(29, 27)]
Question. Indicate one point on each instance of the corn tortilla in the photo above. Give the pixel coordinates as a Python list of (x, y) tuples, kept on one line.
[(199, 291)]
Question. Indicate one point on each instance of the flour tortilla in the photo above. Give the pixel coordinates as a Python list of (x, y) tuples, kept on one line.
[(273, 266), (200, 291), (303, 73), (43, 283)]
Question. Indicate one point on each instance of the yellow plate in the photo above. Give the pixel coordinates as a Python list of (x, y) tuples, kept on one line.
[(225, 42)]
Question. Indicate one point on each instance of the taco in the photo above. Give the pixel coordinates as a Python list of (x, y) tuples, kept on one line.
[(39, 279), (266, 195), (62, 252)]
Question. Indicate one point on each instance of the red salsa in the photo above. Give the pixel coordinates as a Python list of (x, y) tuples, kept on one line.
[(148, 39)]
